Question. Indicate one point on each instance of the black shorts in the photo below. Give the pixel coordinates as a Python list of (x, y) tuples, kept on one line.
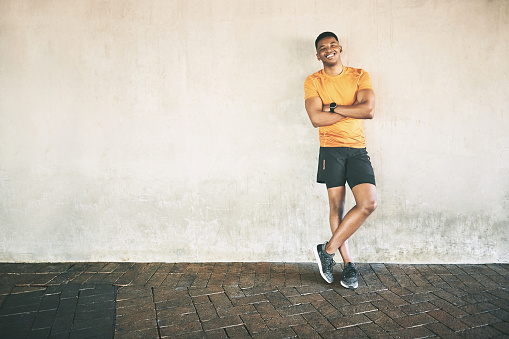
[(338, 165)]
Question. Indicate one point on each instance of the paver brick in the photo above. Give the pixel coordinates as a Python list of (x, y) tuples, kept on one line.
[(220, 333), (289, 292), (501, 303), (176, 312), (249, 292), (216, 279), (137, 333), (236, 310), (261, 279), (171, 280), (326, 309), (200, 300), (282, 333), (183, 301), (419, 297), (477, 308), (254, 323), (348, 332), (259, 300), (277, 299), (393, 298), (206, 311), (237, 332), (501, 314), (372, 330), (180, 328), (135, 324), (305, 299), (362, 298), (197, 292), (350, 320), (320, 323), (502, 326), (413, 332), (134, 309), (357, 309), (267, 311), (418, 279), (482, 332), (441, 330), (246, 280), (277, 279), (415, 320), (164, 319), (233, 291), (283, 322), (162, 294), (334, 299), (296, 309), (448, 320), (417, 308), (449, 308), (44, 319), (222, 300), (306, 331), (383, 321), (254, 299), (222, 322), (389, 309), (482, 319)]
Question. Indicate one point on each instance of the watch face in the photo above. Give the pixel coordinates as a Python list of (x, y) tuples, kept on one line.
[(333, 105)]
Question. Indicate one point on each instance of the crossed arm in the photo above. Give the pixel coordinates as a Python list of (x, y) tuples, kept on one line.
[(362, 108)]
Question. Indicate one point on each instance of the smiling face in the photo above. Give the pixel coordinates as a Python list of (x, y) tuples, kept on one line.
[(327, 50)]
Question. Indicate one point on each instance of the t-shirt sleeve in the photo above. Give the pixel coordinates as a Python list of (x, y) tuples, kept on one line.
[(309, 88), (364, 81)]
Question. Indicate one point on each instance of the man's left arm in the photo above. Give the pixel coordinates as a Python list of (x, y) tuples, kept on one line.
[(362, 108)]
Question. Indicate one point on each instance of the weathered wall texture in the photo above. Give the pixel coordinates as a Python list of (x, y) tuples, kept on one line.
[(176, 130)]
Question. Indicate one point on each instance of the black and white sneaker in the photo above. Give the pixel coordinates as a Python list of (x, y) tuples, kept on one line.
[(349, 276), (325, 262)]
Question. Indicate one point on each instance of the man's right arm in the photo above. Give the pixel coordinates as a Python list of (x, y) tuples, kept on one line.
[(318, 117)]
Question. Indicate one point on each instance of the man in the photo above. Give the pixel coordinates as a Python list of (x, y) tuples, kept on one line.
[(337, 99)]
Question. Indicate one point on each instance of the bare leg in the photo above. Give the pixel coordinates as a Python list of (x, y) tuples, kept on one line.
[(337, 209), (365, 204)]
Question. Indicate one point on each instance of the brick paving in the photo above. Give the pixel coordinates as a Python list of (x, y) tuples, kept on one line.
[(251, 300)]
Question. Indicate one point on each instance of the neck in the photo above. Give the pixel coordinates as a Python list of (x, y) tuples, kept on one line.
[(336, 69)]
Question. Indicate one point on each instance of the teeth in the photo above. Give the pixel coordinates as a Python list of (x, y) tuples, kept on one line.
[(330, 56)]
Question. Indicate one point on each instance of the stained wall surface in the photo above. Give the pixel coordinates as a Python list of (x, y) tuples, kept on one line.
[(176, 130)]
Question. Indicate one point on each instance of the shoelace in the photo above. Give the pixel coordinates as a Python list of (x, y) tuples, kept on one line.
[(330, 263)]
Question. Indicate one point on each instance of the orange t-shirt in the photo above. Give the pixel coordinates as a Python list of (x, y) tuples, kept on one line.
[(341, 89)]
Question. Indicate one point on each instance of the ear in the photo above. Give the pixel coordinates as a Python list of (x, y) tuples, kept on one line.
[(340, 48), (318, 57)]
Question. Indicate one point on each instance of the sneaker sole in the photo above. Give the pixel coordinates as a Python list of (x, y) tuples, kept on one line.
[(315, 251), (353, 287)]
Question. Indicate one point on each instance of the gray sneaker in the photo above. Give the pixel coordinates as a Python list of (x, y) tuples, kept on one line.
[(349, 276), (325, 262)]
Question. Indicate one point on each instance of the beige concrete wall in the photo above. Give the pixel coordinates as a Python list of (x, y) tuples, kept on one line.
[(176, 130)]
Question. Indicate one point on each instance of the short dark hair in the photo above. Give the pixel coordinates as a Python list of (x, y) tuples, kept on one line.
[(324, 35)]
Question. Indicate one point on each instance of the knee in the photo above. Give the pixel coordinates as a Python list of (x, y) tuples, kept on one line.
[(337, 208), (369, 206)]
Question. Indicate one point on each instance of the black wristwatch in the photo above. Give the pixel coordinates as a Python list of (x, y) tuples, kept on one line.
[(332, 106)]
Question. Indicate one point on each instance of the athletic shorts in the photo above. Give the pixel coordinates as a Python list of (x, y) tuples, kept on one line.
[(338, 165)]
